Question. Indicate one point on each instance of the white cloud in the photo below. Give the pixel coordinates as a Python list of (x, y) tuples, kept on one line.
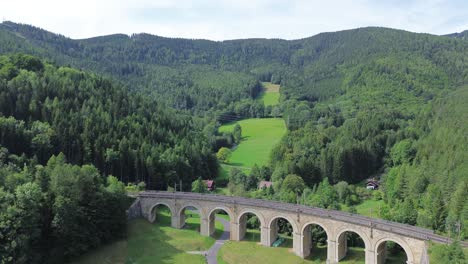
[(229, 19)]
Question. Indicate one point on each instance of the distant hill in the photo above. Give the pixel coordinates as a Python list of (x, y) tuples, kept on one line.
[(202, 75), (461, 35)]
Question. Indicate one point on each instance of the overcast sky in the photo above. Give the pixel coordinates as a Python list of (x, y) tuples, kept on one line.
[(232, 19)]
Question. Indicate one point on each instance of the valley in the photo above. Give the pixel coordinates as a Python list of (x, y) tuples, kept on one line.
[(86, 122)]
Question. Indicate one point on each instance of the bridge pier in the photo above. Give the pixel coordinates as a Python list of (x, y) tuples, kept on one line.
[(241, 227), (204, 226), (297, 245), (272, 234), (265, 236), (370, 256), (381, 253), (211, 224), (306, 240), (236, 231), (331, 251), (341, 247), (177, 221)]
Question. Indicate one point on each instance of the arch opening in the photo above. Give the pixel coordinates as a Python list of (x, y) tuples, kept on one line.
[(219, 221), (351, 247), (281, 233), (390, 252), (249, 227), (190, 218), (315, 242), (161, 214)]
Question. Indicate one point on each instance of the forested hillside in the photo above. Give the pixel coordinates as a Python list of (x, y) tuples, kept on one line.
[(46, 110), (202, 75), (62, 131), (369, 102), (428, 183), (461, 35)]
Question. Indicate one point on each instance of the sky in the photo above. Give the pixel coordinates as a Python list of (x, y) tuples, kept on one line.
[(234, 19)]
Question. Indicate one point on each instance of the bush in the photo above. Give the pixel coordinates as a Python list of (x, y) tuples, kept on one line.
[(141, 186), (447, 254)]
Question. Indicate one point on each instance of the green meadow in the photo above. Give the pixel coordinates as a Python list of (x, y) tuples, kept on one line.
[(259, 136), (270, 95)]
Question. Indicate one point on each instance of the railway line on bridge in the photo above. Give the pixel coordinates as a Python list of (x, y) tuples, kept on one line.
[(374, 232)]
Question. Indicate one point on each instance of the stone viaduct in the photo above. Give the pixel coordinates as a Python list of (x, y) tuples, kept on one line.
[(337, 224)]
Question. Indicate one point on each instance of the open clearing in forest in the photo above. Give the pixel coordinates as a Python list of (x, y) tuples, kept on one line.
[(259, 136), (270, 94)]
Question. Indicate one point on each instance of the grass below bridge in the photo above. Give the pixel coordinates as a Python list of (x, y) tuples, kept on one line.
[(155, 243)]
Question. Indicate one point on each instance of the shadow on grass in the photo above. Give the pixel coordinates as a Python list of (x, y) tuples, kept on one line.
[(288, 242), (318, 253), (152, 243), (252, 235), (396, 257), (149, 243), (355, 255)]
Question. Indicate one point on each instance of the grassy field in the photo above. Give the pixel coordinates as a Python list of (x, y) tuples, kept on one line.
[(249, 252), (259, 137), (155, 243), (367, 208), (370, 208), (270, 95)]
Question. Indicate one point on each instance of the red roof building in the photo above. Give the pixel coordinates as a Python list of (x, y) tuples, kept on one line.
[(265, 184), (210, 184)]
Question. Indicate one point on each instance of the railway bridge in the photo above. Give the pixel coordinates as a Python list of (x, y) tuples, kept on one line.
[(375, 233)]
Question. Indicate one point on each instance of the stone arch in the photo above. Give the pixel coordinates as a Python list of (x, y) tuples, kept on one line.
[(152, 216), (322, 225), (380, 256), (224, 208), (341, 241), (260, 216), (185, 205), (273, 229), (242, 221), (292, 222), (306, 236), (211, 217), (181, 215)]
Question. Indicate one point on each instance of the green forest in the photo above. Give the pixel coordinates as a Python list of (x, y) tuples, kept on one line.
[(108, 111)]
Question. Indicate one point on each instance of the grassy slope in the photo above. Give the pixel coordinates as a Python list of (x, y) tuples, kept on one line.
[(155, 243), (250, 251), (259, 137), (271, 94), (368, 208)]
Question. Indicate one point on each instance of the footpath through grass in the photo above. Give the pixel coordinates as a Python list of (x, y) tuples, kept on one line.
[(155, 243)]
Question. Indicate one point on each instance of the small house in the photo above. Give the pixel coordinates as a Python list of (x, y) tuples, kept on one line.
[(265, 184), (210, 185), (372, 184)]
